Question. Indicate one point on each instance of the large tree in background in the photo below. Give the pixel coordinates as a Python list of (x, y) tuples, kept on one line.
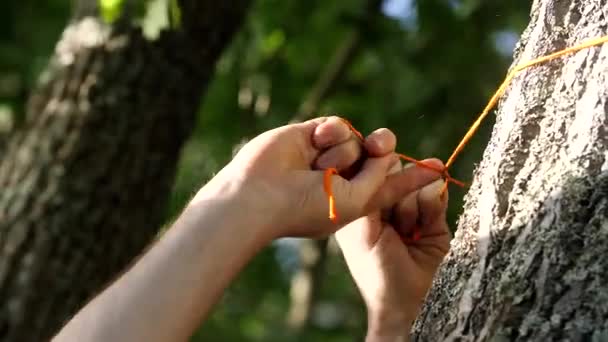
[(528, 262), (86, 179)]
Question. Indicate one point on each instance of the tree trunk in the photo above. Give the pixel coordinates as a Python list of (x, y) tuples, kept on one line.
[(83, 185), (529, 259)]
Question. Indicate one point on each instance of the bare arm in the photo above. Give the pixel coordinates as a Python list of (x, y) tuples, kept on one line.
[(166, 295), (268, 191)]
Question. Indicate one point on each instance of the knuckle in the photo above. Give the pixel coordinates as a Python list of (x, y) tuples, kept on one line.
[(353, 151)]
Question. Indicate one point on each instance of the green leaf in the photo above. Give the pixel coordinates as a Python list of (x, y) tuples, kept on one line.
[(110, 9), (273, 42)]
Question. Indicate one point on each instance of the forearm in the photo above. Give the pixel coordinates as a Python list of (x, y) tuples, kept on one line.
[(171, 289)]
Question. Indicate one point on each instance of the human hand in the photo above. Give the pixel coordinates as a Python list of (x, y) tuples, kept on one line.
[(394, 274), (392, 265), (274, 177)]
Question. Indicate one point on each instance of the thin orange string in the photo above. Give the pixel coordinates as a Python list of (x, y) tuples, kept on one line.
[(407, 158), (333, 215), (354, 130), (414, 235), (444, 171), (510, 76)]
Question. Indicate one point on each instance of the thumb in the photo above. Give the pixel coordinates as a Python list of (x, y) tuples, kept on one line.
[(398, 185), (352, 197)]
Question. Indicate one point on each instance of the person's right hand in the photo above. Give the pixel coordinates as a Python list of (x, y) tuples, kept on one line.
[(273, 180)]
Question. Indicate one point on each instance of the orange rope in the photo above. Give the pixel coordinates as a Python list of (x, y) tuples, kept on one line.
[(408, 158), (354, 130), (333, 213), (443, 171), (412, 236), (465, 140), (507, 81)]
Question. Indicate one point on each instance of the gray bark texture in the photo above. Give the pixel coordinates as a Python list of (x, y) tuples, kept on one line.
[(84, 184), (529, 259)]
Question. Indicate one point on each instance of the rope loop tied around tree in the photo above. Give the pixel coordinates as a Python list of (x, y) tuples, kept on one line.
[(333, 214)]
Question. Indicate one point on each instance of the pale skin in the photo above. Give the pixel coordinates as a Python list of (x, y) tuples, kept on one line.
[(173, 287)]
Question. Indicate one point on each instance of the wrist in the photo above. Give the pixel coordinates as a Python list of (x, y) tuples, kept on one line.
[(386, 326), (236, 202)]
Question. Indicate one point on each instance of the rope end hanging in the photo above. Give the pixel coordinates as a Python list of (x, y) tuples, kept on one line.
[(333, 213)]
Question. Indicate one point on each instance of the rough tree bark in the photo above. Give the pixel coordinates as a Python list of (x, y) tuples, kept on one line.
[(84, 184), (528, 261)]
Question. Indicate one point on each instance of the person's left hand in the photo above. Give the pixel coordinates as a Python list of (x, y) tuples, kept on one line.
[(393, 272), (394, 252), (273, 176)]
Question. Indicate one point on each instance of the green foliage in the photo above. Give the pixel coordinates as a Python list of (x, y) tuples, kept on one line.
[(425, 74), (29, 30), (175, 14), (110, 9)]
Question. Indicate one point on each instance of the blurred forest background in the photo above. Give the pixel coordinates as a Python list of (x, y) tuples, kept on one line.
[(422, 68)]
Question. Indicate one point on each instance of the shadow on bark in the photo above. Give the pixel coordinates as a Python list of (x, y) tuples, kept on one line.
[(541, 280)]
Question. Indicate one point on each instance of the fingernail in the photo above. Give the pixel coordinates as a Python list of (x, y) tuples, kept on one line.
[(322, 136), (434, 162), (432, 191), (380, 139), (379, 142), (435, 186), (322, 140)]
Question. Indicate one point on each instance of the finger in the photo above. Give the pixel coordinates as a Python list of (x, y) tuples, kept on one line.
[(432, 245), (380, 142), (396, 168), (341, 156), (335, 129), (346, 199), (301, 133), (367, 182), (386, 213), (400, 184), (434, 242), (405, 214), (432, 209), (332, 131), (364, 231)]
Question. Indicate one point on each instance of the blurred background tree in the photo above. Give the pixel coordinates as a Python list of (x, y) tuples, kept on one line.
[(422, 68)]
